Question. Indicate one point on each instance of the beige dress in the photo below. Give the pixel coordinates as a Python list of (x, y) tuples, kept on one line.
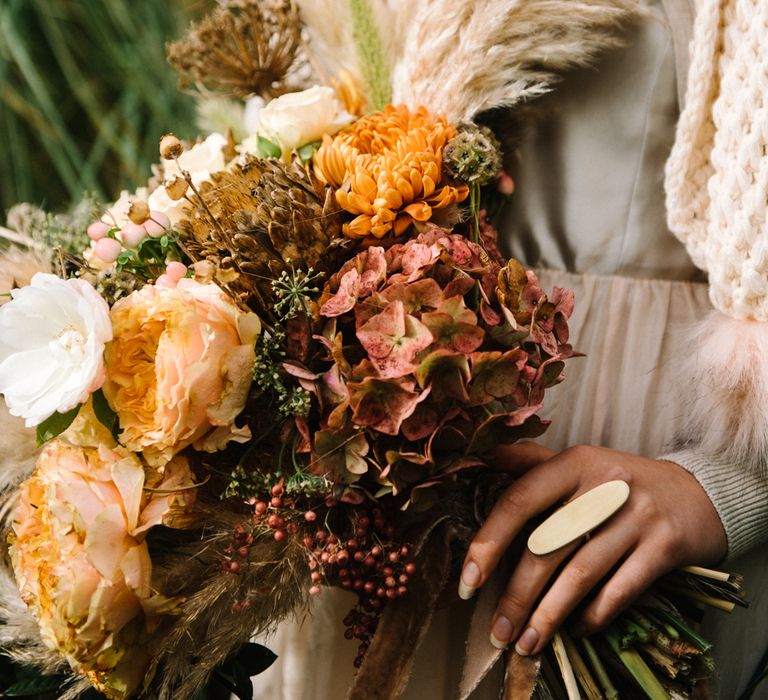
[(589, 214)]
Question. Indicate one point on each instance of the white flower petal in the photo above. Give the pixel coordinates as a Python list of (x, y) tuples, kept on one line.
[(52, 336)]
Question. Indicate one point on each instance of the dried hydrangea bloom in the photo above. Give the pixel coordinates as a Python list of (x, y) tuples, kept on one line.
[(387, 169)]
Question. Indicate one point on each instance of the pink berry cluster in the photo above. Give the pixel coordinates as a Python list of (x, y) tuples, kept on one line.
[(108, 248)]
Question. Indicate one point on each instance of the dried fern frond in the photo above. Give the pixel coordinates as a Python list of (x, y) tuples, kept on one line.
[(464, 58), (243, 48)]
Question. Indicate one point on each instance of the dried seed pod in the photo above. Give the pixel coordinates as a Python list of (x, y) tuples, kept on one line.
[(138, 212), (170, 147), (243, 47), (176, 188), (270, 215)]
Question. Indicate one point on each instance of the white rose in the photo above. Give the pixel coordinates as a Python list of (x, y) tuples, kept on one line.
[(299, 118), (52, 337)]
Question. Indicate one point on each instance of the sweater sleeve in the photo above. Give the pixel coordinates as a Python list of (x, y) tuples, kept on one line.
[(739, 495)]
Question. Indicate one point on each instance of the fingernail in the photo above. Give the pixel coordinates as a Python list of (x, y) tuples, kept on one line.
[(527, 642), (501, 632), (470, 580)]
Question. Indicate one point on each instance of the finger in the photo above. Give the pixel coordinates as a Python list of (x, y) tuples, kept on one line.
[(632, 578), (532, 493), (528, 580), (520, 457), (591, 563)]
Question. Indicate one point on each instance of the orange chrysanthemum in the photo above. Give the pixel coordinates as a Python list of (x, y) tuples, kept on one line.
[(387, 169)]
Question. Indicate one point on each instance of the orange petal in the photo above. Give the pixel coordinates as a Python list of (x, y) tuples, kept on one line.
[(402, 224), (364, 184), (405, 189), (358, 227), (421, 211)]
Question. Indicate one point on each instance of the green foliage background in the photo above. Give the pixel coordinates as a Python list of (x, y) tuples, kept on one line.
[(85, 94)]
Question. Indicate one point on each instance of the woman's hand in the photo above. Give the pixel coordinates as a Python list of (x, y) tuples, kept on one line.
[(667, 522)]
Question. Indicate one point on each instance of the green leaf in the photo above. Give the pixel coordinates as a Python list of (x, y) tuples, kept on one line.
[(55, 425), (124, 258), (104, 413), (249, 660), (150, 249), (308, 150), (255, 658), (266, 149)]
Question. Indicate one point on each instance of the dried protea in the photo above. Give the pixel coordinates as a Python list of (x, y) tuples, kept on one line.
[(243, 48), (473, 155), (298, 211), (267, 216)]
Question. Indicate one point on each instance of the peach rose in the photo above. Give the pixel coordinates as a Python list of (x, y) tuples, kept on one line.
[(81, 562), (179, 369)]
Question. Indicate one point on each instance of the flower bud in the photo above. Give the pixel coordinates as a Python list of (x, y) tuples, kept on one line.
[(170, 147), (176, 270), (176, 188), (138, 212), (107, 249), (165, 282), (132, 234), (97, 230), (157, 224), (505, 184)]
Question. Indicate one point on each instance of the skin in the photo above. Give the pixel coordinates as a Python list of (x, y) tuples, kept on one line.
[(667, 522)]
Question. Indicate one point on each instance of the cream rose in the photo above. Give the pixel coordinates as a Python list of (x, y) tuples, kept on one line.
[(52, 337), (179, 369), (299, 118), (81, 562)]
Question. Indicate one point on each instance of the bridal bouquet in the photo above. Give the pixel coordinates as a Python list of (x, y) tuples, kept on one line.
[(285, 363)]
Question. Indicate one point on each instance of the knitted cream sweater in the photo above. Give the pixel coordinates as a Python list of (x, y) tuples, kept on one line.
[(717, 175), (717, 201)]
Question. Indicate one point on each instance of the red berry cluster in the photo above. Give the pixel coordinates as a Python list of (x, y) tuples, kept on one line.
[(238, 550), (278, 514), (351, 547), (367, 562)]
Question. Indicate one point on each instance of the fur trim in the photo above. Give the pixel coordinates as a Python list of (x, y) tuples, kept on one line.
[(727, 378), (463, 58)]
